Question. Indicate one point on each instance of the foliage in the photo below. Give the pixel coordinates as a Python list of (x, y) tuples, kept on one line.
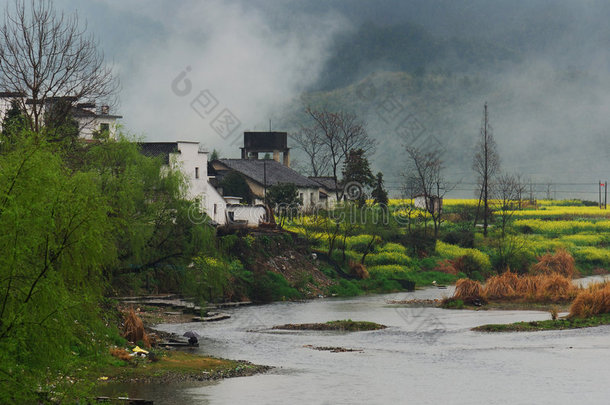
[(284, 197), (356, 169), (235, 185), (453, 252), (379, 194), (54, 242)]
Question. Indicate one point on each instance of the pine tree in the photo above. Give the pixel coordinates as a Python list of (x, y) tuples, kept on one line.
[(357, 176), (379, 194)]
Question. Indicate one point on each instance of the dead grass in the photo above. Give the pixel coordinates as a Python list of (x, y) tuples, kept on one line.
[(509, 286), (594, 300), (446, 266), (120, 354), (560, 262), (468, 290), (358, 270), (134, 329)]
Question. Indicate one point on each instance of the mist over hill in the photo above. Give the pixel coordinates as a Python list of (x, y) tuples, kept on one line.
[(542, 65)]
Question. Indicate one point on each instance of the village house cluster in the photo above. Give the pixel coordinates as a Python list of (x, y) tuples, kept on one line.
[(205, 176)]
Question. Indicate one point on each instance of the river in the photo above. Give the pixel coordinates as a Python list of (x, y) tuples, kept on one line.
[(425, 356)]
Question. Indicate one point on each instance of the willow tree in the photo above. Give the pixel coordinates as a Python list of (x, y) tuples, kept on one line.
[(55, 241)]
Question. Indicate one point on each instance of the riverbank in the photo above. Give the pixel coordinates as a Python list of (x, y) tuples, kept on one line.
[(164, 366), (556, 324), (161, 363)]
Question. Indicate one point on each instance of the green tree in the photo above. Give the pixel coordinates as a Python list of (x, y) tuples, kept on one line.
[(54, 241), (153, 223), (285, 200), (14, 123), (379, 194), (357, 176), (235, 185)]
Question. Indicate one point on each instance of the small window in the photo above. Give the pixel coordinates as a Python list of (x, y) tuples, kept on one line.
[(301, 196), (104, 127), (196, 172), (311, 198), (214, 209)]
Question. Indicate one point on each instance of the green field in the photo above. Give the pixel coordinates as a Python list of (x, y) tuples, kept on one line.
[(403, 247)]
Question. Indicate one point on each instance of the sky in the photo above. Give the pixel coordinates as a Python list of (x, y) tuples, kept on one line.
[(207, 70)]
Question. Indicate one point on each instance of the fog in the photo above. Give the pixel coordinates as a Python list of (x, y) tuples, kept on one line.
[(549, 104)]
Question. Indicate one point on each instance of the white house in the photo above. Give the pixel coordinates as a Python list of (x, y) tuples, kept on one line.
[(187, 157), (89, 117), (434, 204)]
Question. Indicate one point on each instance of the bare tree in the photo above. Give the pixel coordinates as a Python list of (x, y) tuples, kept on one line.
[(309, 140), (486, 164), (46, 55), (507, 192), (426, 170), (339, 132)]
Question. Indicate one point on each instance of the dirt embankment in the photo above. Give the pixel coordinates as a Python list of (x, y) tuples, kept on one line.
[(291, 257)]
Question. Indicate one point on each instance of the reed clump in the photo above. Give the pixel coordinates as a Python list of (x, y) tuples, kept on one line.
[(594, 300), (510, 286), (468, 290), (560, 262), (134, 329)]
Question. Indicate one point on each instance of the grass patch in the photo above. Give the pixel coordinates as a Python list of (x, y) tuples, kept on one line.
[(558, 324), (177, 366), (346, 325)]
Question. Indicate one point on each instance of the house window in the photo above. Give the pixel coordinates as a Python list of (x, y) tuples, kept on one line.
[(196, 172), (214, 209), (301, 197), (311, 198), (104, 127)]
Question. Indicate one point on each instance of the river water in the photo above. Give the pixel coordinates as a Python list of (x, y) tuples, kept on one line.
[(425, 356)]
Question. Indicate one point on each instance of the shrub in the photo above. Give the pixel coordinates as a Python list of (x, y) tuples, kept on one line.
[(393, 247), (389, 271), (419, 242), (460, 237), (453, 252), (358, 270), (561, 262), (381, 258), (446, 266)]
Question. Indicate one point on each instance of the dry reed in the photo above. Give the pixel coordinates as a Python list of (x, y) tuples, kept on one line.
[(560, 262), (134, 329), (468, 290), (358, 270), (509, 286), (593, 300)]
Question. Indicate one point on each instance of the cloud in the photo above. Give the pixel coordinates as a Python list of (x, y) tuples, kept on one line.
[(251, 61)]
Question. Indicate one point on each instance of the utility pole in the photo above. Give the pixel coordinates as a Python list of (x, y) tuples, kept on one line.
[(600, 194)]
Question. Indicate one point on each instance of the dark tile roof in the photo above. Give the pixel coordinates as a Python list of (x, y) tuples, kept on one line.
[(163, 149), (327, 182), (277, 173)]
